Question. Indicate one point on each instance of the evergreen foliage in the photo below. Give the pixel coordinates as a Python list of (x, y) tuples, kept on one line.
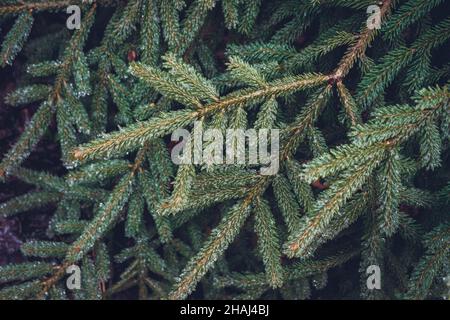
[(364, 117)]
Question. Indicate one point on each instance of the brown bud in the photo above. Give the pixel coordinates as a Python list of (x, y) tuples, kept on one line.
[(132, 55), (78, 154)]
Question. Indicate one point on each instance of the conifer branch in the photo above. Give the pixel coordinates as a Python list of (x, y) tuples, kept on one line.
[(38, 125), (359, 48), (218, 241), (49, 5), (131, 137)]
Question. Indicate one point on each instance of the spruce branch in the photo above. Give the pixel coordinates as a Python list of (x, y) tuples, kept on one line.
[(359, 48), (287, 203), (298, 270), (355, 145), (102, 220), (13, 42), (349, 104), (437, 243), (131, 137), (406, 15), (390, 184), (38, 125), (218, 241)]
